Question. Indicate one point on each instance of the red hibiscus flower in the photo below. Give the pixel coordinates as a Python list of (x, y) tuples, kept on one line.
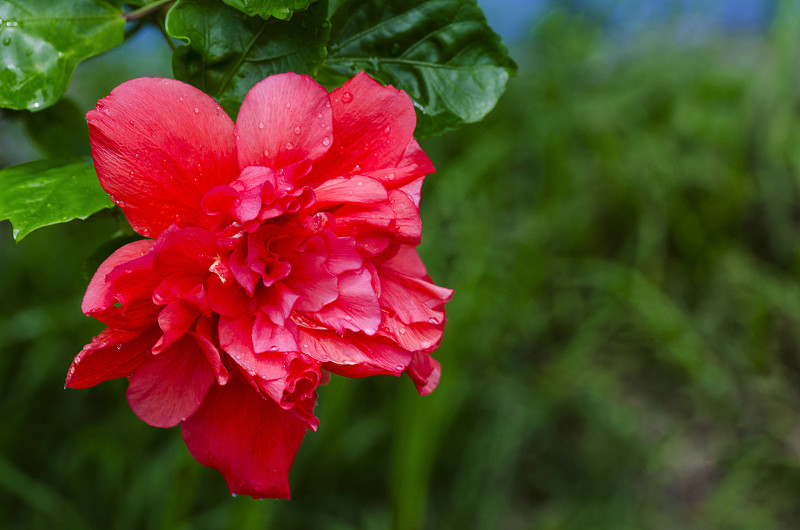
[(281, 248)]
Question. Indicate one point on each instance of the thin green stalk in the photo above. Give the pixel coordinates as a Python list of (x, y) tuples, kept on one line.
[(146, 10)]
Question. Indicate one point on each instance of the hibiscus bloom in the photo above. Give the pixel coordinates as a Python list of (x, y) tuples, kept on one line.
[(279, 249)]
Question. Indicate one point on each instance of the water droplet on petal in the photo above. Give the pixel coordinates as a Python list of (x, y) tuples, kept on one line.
[(266, 153), (402, 331), (386, 131), (273, 348), (347, 97), (433, 320), (119, 346), (261, 125), (180, 98), (288, 105), (391, 176), (196, 110), (359, 183), (399, 367), (356, 168), (289, 145), (328, 104), (319, 115), (297, 130), (326, 141)]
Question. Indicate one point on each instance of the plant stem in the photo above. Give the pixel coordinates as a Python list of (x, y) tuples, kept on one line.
[(146, 10)]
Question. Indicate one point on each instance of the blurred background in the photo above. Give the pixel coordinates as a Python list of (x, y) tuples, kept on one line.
[(623, 348)]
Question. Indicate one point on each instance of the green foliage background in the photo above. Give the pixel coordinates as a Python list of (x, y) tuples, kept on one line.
[(623, 349)]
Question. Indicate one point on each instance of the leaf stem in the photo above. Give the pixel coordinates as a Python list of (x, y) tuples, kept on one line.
[(146, 10)]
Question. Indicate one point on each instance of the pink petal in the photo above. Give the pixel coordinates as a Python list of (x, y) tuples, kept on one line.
[(406, 289), (247, 438), (408, 225), (185, 251), (413, 337), (269, 337), (373, 125), (174, 320), (212, 354), (114, 353), (277, 303), (169, 387), (357, 307), (310, 278), (425, 371), (158, 146), (226, 298), (342, 190), (283, 120), (353, 355), (342, 253), (120, 291), (411, 299), (408, 262)]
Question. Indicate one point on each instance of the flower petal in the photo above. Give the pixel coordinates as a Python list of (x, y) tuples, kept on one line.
[(373, 125), (112, 354), (353, 355), (425, 371), (158, 146), (169, 387), (284, 119), (357, 307), (119, 293), (247, 438)]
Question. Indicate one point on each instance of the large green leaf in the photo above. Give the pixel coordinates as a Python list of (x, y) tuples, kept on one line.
[(441, 52), (228, 52), (47, 192), (281, 9), (42, 41)]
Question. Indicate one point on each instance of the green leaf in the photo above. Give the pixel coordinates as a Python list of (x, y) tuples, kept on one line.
[(42, 41), (228, 52), (281, 9), (441, 52), (47, 192)]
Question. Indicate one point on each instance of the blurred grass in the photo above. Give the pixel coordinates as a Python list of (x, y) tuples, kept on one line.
[(621, 352)]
